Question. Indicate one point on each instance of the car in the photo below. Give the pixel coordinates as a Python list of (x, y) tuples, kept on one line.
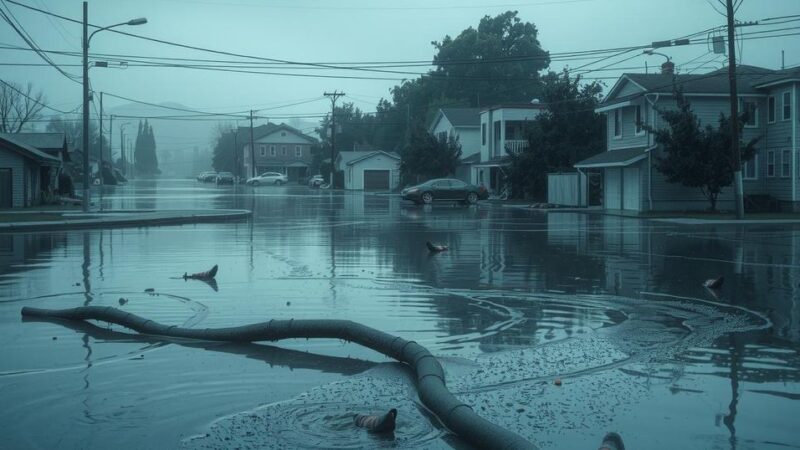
[(268, 178), (225, 178), (445, 189), (316, 181), (207, 177)]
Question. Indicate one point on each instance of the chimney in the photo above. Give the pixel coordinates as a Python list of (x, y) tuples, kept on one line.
[(668, 68)]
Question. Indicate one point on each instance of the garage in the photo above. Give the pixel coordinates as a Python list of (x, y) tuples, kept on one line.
[(611, 188), (376, 180), (630, 188)]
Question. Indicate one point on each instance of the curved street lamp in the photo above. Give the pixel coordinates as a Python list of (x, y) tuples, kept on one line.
[(86, 39)]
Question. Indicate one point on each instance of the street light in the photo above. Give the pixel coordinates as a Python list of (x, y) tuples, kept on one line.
[(86, 39), (668, 67)]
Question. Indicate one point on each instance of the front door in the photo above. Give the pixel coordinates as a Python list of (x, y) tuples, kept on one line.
[(6, 195)]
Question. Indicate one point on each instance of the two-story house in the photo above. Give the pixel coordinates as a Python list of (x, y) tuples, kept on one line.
[(464, 125), (503, 131), (279, 148), (630, 178)]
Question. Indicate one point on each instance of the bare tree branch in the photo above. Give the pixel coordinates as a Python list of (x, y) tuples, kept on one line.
[(18, 107)]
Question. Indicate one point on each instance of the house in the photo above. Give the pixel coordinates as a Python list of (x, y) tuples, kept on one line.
[(630, 179), (53, 144), (369, 170), (462, 124), (502, 132), (278, 148), (26, 173)]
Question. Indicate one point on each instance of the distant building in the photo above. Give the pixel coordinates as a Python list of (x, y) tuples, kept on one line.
[(26, 173), (464, 125), (369, 170), (278, 148), (53, 144), (630, 179)]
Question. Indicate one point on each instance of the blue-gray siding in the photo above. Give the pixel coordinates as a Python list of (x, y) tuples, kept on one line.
[(15, 162)]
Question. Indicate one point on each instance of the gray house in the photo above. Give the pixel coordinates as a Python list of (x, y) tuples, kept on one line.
[(26, 173), (463, 124), (630, 179), (279, 148)]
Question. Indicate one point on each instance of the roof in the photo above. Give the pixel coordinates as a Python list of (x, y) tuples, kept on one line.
[(9, 142), (472, 159), (261, 131), (711, 83), (463, 117), (516, 105), (614, 158), (351, 158), (51, 143), (778, 76), (497, 161)]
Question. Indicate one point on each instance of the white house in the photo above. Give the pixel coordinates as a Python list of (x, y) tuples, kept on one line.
[(370, 170), (462, 124), (502, 132)]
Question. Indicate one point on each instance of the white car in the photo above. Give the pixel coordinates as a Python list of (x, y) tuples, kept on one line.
[(316, 181), (268, 178)]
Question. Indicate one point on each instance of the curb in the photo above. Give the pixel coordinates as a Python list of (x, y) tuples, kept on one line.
[(160, 218)]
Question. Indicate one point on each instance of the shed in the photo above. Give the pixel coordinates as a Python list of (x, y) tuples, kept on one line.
[(371, 171)]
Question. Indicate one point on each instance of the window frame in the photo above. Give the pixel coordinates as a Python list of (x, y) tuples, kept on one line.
[(742, 105), (298, 151), (640, 118), (770, 163), (784, 105), (272, 151), (283, 150), (483, 133), (772, 109), (786, 163), (752, 163), (262, 149), (618, 123)]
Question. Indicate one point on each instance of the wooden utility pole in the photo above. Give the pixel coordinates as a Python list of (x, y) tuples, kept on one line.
[(252, 146), (737, 156), (100, 134), (333, 96)]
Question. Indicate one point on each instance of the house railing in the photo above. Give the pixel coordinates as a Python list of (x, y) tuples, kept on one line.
[(516, 146)]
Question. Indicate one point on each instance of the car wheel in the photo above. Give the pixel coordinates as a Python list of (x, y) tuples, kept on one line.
[(472, 198), (278, 182), (255, 183), (427, 198)]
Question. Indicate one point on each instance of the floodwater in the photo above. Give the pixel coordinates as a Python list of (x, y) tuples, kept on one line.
[(611, 306)]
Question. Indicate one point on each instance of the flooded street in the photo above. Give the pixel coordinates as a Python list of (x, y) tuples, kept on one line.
[(611, 306)]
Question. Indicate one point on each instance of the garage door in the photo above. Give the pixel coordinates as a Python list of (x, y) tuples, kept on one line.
[(630, 191), (376, 179), (611, 189)]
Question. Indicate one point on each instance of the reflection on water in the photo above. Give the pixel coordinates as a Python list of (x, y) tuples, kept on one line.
[(611, 305)]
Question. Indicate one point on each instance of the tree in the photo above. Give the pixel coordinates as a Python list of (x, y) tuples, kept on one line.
[(566, 132), (427, 157), (18, 107), (144, 153), (697, 156), (224, 159)]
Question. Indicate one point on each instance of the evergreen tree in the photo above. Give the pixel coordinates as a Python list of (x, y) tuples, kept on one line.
[(428, 157)]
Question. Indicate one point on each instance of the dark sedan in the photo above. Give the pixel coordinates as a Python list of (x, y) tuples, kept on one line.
[(445, 189)]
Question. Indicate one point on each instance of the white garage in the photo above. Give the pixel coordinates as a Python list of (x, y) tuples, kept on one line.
[(370, 170), (622, 177)]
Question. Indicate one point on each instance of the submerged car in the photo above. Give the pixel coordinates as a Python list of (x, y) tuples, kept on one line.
[(445, 189), (268, 178), (316, 181), (207, 177), (225, 178)]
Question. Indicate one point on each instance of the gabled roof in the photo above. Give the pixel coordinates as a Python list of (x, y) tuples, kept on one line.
[(351, 158), (614, 158), (11, 143), (293, 130), (50, 143), (779, 77), (463, 117), (262, 131), (711, 83)]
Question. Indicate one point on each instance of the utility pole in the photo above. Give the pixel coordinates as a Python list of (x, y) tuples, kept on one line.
[(252, 146), (111, 142), (333, 96), (737, 156), (100, 133), (85, 137)]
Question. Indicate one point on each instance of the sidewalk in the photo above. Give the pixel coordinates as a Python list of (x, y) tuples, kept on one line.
[(70, 219)]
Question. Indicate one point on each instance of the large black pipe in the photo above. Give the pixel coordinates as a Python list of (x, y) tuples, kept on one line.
[(455, 415)]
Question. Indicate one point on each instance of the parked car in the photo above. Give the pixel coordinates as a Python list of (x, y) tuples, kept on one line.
[(224, 178), (316, 181), (445, 189), (207, 177), (268, 178)]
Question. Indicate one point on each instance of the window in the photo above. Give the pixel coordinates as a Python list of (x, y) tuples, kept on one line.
[(442, 135), (263, 149), (771, 109), (283, 150), (640, 120), (483, 134), (770, 163), (298, 152), (750, 171), (786, 163), (457, 184), (750, 109), (283, 133), (271, 150), (617, 123), (787, 105)]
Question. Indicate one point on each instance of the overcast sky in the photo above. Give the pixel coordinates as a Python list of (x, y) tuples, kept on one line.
[(350, 31)]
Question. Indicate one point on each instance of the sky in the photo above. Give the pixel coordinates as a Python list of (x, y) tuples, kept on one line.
[(352, 31)]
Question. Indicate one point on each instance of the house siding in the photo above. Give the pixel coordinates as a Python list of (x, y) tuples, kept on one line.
[(629, 139), (15, 162), (629, 88)]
